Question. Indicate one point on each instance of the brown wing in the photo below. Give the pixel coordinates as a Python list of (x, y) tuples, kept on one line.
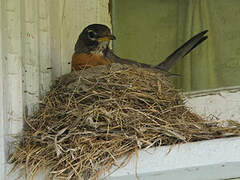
[(171, 60), (182, 51)]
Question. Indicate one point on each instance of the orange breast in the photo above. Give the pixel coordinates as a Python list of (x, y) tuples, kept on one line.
[(83, 60)]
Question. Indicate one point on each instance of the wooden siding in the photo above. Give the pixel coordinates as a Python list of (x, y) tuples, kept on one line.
[(36, 43)]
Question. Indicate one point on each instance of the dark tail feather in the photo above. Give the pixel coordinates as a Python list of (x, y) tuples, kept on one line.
[(182, 51)]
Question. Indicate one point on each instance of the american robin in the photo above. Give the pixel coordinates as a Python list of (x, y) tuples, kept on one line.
[(92, 49)]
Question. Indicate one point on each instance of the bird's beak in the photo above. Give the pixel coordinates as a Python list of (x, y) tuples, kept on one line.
[(106, 38)]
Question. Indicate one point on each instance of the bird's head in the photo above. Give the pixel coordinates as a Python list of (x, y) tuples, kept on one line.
[(94, 38)]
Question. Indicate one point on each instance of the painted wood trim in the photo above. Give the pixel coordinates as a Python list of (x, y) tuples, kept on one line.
[(206, 160), (3, 91)]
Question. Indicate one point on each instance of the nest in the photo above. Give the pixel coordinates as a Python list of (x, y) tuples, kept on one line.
[(93, 117)]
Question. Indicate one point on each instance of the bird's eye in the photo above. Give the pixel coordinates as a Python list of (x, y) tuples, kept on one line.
[(91, 34)]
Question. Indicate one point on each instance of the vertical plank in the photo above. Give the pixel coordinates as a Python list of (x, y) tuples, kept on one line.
[(11, 93), (14, 66), (103, 14), (3, 91), (31, 55), (44, 46), (55, 42)]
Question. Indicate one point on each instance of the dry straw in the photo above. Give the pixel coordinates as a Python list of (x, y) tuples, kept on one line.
[(93, 117)]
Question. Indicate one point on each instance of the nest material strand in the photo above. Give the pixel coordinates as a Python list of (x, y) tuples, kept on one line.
[(93, 117)]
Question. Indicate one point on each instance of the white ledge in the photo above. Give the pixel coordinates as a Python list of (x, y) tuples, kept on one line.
[(205, 160)]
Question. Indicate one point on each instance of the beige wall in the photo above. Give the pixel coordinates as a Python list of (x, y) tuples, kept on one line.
[(36, 44)]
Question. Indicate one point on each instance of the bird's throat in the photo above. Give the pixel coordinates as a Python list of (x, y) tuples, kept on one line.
[(100, 49)]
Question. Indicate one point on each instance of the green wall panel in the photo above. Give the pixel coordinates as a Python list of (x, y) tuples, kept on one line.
[(149, 30), (140, 29)]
